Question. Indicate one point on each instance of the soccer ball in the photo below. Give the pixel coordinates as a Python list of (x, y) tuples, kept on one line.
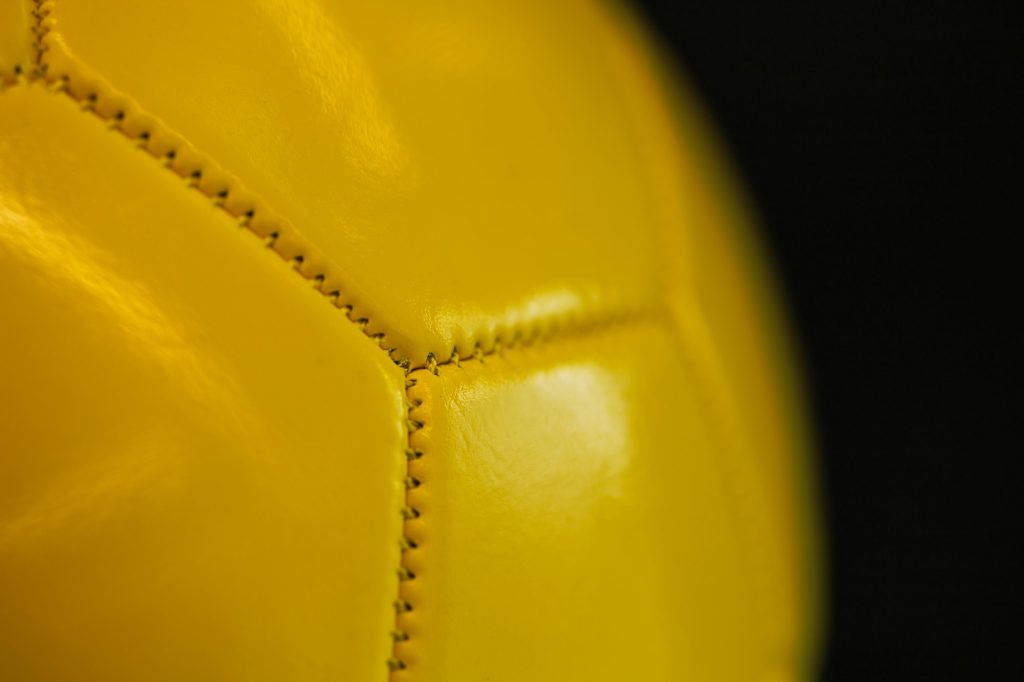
[(347, 340)]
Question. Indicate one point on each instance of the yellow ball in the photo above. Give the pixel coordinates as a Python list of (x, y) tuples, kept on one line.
[(357, 340)]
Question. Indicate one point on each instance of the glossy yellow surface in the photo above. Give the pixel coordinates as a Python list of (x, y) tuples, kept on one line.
[(16, 36), (357, 340), (576, 519), (200, 459)]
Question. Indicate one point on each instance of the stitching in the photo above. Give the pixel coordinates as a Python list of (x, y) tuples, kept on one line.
[(43, 23), (408, 541), (226, 192)]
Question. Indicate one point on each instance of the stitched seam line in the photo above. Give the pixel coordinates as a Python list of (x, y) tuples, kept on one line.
[(227, 193), (41, 27), (410, 512)]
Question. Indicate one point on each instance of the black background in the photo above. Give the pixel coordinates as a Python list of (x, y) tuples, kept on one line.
[(878, 144)]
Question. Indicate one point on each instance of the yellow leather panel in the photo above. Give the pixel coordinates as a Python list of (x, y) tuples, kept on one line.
[(484, 147), (201, 459), (733, 308), (16, 55), (575, 519), (724, 300)]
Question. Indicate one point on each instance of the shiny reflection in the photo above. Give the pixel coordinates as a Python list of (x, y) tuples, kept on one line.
[(535, 309), (575, 453), (128, 306), (83, 497), (549, 305), (334, 70)]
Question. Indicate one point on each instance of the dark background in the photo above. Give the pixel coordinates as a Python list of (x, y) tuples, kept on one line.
[(877, 141)]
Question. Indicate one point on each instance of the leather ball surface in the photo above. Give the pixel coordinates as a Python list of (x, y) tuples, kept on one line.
[(363, 340)]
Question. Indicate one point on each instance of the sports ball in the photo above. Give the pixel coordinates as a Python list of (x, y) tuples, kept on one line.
[(384, 341)]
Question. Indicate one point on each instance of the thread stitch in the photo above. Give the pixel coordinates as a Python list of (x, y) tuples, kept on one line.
[(410, 513), (226, 193)]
